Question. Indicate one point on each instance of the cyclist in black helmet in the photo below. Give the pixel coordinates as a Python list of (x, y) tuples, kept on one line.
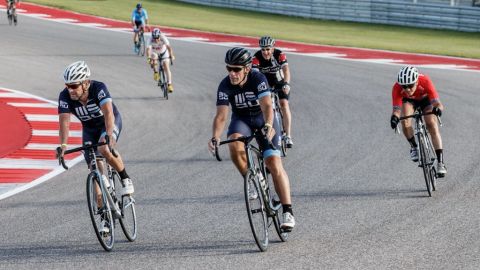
[(273, 63), (248, 93)]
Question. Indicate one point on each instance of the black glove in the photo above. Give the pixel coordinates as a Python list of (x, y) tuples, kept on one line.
[(394, 121), (437, 111)]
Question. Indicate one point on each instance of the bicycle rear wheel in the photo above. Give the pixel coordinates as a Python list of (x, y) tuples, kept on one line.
[(425, 160), (99, 213), (432, 158), (257, 214), (128, 222)]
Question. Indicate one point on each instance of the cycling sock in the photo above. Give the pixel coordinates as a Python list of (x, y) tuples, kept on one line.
[(412, 142), (439, 153), (287, 208), (123, 174)]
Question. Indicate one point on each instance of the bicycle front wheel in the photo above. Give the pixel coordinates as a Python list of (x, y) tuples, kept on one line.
[(100, 213), (126, 203), (425, 162), (257, 214), (164, 83)]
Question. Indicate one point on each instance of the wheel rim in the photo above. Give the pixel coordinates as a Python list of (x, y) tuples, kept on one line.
[(128, 222), (96, 213), (256, 213)]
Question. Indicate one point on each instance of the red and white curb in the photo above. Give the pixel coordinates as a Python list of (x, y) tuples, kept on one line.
[(35, 162), (344, 53)]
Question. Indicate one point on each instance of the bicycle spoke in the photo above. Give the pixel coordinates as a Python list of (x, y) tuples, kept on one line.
[(128, 222), (256, 211)]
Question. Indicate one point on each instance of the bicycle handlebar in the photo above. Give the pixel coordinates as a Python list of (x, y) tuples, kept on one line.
[(86, 146), (417, 114), (244, 139)]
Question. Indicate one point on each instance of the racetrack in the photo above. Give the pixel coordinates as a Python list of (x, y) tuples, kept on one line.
[(359, 202)]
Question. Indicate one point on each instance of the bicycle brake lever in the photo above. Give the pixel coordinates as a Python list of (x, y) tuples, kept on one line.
[(216, 154)]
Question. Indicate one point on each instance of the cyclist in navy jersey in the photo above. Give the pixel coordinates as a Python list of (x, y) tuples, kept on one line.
[(273, 63), (92, 104), (248, 93)]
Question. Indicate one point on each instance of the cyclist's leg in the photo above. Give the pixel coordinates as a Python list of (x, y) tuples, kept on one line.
[(432, 126), (92, 135), (236, 129), (407, 127), (115, 162)]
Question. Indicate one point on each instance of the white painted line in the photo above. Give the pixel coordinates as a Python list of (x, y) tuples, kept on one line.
[(63, 20), (72, 133), (440, 66), (46, 146), (47, 118), (32, 105), (326, 55), (24, 163), (192, 39), (92, 24), (12, 95), (382, 61), (58, 170), (230, 44)]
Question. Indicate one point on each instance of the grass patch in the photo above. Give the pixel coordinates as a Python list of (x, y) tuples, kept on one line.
[(363, 35)]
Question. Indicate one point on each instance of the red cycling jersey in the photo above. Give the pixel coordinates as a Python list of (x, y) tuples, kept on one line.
[(425, 88)]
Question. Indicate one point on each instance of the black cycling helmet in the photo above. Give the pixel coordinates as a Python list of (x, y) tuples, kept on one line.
[(139, 5), (238, 57), (266, 41)]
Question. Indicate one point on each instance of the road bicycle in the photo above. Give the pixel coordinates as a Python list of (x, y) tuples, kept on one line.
[(104, 202), (162, 79), (278, 112), (140, 49), (12, 13), (427, 152), (263, 209)]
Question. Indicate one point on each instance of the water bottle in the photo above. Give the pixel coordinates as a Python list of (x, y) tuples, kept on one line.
[(106, 182)]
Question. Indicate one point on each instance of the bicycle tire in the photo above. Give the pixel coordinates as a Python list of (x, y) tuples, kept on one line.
[(432, 158), (257, 215), (142, 45), (164, 83), (424, 164), (10, 17), (128, 222), (106, 240), (283, 235)]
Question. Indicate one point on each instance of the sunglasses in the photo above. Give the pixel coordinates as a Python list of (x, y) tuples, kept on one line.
[(266, 49), (408, 86), (234, 69), (73, 86)]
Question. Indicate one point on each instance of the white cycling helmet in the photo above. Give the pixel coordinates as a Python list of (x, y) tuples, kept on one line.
[(407, 75), (266, 42), (156, 33), (76, 72)]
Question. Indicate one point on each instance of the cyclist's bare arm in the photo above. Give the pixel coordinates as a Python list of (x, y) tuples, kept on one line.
[(64, 122), (170, 51), (286, 73), (107, 110), (267, 110), (219, 122)]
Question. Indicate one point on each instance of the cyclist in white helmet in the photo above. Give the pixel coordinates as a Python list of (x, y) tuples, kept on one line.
[(273, 64), (92, 104), (413, 90), (160, 51)]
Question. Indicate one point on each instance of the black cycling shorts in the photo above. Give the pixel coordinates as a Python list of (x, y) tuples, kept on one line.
[(424, 103), (95, 134)]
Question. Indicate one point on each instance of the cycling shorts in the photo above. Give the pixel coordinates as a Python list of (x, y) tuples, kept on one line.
[(245, 126), (95, 135), (281, 93), (424, 103), (138, 24), (163, 56)]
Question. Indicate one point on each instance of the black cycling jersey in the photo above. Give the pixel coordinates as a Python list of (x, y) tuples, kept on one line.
[(244, 100), (272, 68)]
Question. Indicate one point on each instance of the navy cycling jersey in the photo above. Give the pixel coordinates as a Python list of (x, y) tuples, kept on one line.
[(90, 115), (244, 100)]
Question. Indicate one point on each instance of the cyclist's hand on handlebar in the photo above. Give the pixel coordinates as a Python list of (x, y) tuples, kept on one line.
[(437, 111), (268, 131), (394, 121), (286, 88), (172, 57), (212, 143)]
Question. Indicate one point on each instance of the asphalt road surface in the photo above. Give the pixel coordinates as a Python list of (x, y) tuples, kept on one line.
[(359, 202)]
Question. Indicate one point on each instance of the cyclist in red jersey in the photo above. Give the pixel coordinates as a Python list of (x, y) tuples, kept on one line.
[(413, 90)]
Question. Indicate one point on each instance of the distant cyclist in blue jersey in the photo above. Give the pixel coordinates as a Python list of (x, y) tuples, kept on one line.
[(139, 21), (92, 104), (248, 92)]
